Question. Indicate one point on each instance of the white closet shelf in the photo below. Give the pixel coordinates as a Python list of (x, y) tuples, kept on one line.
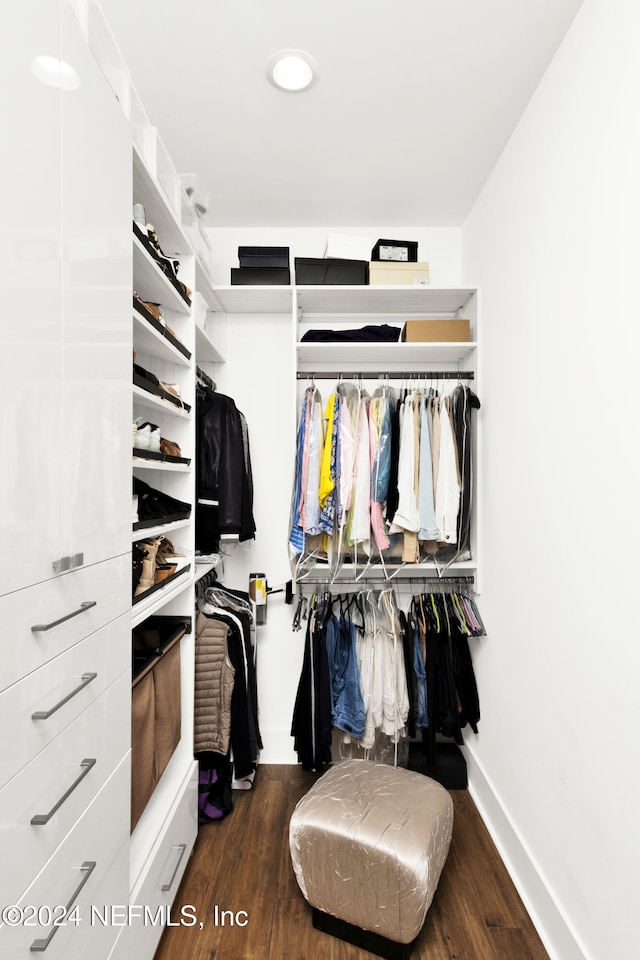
[(150, 282), (148, 192), (142, 398), (205, 350), (150, 341), (388, 357), (139, 463), (203, 567), (254, 299), (385, 301), (161, 528), (145, 608)]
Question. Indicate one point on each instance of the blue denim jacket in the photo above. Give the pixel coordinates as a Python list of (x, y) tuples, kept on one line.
[(348, 712)]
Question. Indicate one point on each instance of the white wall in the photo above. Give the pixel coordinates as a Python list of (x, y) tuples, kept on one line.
[(553, 243), (260, 376)]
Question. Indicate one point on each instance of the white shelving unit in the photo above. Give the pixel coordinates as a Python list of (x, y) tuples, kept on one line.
[(313, 307)]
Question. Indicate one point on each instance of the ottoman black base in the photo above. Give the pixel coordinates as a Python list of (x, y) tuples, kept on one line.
[(365, 939)]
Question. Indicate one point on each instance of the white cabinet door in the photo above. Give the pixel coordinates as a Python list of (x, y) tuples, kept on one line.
[(30, 256), (96, 310)]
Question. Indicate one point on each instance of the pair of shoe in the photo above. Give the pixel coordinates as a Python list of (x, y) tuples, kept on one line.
[(155, 506), (153, 314), (159, 561), (146, 436)]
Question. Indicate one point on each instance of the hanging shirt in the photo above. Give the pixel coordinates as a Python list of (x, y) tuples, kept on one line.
[(426, 505), (311, 512), (379, 448), (359, 530), (447, 497)]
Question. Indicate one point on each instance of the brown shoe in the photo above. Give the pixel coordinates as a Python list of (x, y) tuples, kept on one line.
[(164, 571)]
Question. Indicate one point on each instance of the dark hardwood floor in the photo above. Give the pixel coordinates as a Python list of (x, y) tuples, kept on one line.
[(242, 866)]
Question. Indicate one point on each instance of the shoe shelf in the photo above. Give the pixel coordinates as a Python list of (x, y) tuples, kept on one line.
[(160, 528), (149, 341), (146, 606), (139, 463), (143, 398), (158, 212), (150, 282)]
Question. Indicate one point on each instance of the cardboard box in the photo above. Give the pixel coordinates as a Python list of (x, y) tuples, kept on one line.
[(395, 273), (436, 331), (346, 247)]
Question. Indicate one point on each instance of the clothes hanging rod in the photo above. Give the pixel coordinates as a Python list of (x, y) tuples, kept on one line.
[(392, 375), (325, 581)]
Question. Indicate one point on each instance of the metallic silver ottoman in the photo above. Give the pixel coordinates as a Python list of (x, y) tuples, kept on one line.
[(368, 843)]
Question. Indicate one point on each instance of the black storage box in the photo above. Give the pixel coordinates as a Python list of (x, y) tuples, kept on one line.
[(264, 257), (331, 271), (395, 251), (261, 276)]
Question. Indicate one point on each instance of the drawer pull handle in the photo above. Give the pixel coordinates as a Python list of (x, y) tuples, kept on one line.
[(39, 946), (45, 714), (41, 627), (41, 818), (181, 847)]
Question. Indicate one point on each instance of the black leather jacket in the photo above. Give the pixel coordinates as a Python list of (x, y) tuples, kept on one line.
[(223, 464)]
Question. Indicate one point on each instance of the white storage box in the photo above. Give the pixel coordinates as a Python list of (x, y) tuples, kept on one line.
[(349, 247)]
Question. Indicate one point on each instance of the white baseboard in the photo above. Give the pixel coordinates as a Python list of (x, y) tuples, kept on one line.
[(552, 926)]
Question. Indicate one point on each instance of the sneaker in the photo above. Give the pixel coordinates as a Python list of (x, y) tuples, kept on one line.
[(147, 436), (139, 217)]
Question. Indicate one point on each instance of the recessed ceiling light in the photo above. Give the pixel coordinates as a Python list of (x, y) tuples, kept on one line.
[(292, 71), (55, 73)]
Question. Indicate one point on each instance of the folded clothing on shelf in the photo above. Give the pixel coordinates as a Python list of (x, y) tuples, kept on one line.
[(372, 333), (155, 506)]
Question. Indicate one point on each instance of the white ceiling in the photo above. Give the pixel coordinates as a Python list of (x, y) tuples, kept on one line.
[(415, 102)]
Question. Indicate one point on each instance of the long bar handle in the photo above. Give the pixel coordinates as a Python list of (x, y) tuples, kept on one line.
[(182, 848), (41, 627), (45, 714), (41, 818), (39, 946)]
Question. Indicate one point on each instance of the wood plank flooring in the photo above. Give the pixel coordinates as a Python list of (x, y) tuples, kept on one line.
[(242, 866)]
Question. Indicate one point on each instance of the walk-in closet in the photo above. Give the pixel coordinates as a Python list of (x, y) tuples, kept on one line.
[(317, 490)]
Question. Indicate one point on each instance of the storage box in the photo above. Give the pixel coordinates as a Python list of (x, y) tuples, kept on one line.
[(331, 271), (264, 257), (260, 276), (344, 247), (436, 331), (410, 274), (397, 251)]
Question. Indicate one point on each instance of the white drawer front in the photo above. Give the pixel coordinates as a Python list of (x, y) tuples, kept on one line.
[(35, 710), (159, 884), (83, 862), (30, 617), (100, 734)]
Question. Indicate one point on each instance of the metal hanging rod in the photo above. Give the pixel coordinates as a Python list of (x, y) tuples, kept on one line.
[(392, 375), (381, 582)]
